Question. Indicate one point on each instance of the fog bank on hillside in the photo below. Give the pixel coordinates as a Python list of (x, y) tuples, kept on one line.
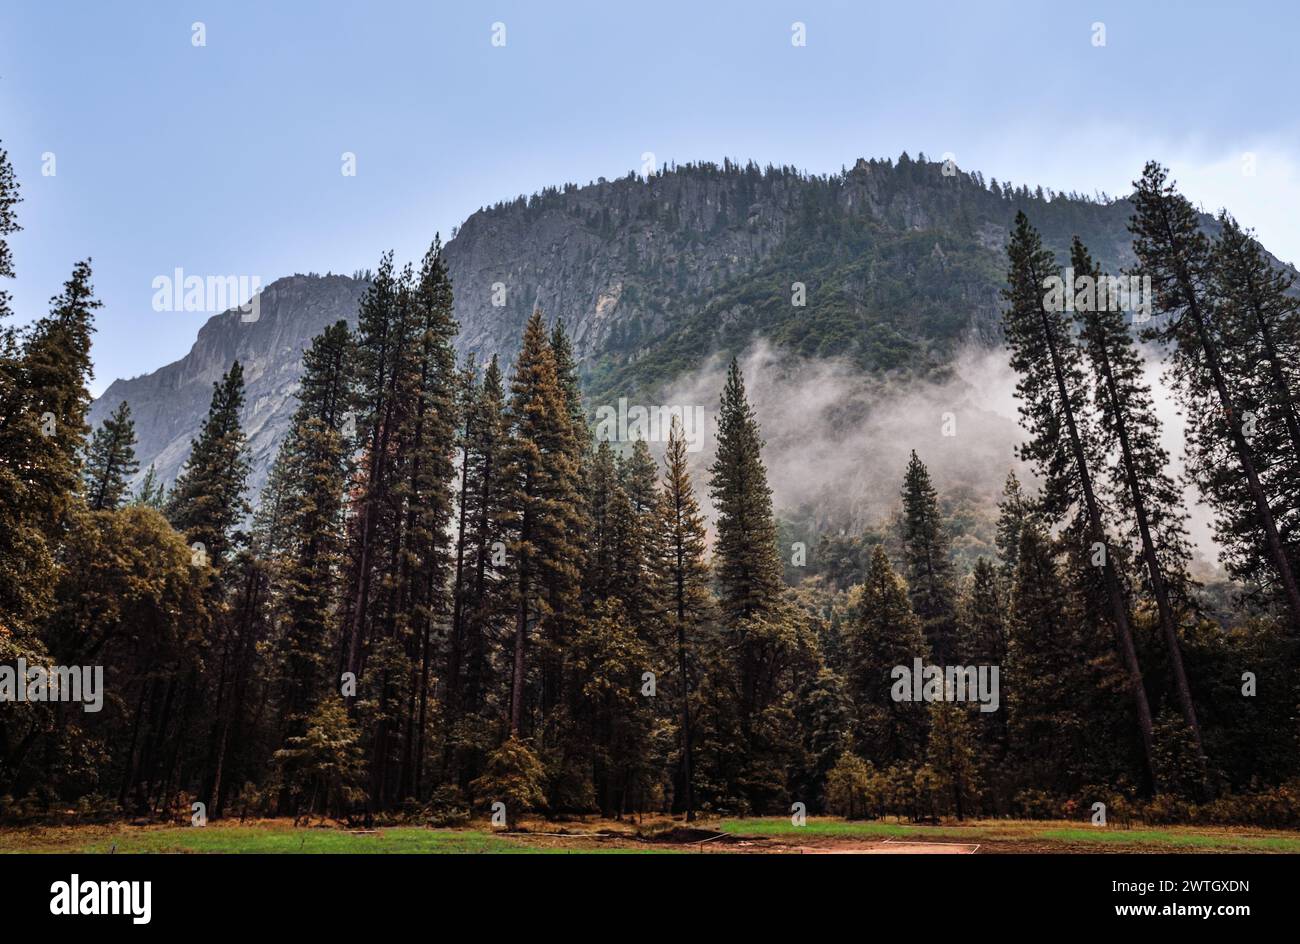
[(838, 441)]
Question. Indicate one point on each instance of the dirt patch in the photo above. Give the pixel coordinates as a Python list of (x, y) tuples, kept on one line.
[(683, 835)]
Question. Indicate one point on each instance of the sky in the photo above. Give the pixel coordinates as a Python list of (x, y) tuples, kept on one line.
[(227, 158)]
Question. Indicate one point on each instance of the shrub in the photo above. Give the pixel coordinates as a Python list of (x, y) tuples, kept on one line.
[(514, 776)]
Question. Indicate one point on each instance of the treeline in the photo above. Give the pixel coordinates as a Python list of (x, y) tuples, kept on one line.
[(450, 596)]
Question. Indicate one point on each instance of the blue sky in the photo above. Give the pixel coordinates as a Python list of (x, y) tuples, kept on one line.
[(226, 159)]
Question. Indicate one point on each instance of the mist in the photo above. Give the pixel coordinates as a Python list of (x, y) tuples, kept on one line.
[(837, 440)]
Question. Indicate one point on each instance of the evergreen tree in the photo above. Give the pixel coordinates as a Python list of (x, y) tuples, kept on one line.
[(542, 482), (746, 565), (430, 441), (323, 768), (683, 574), (384, 340), (929, 566), (951, 754), (602, 492), (152, 493), (1176, 255), (566, 370), (467, 411), (42, 430), (609, 660), (763, 641), (824, 715), (206, 501), (1014, 510), (1140, 485), (1053, 407), (887, 634), (313, 462), (1260, 321), (487, 586), (110, 460), (982, 639)]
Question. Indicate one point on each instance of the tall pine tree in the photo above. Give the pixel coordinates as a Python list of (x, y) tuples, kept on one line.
[(1176, 255), (1141, 487), (1054, 412), (926, 547)]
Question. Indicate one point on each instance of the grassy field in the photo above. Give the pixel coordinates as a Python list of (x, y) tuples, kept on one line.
[(1031, 835), (652, 835)]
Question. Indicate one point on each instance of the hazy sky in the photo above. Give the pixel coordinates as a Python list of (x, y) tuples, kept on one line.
[(226, 159)]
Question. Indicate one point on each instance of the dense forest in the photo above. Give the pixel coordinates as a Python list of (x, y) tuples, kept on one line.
[(451, 595)]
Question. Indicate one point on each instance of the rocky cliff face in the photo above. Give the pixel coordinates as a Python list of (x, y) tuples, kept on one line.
[(169, 404), (901, 264)]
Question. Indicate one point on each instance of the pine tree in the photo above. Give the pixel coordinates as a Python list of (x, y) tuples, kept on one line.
[(638, 478), (467, 397), (1176, 255), (929, 566), (824, 715), (430, 440), (982, 639), (313, 462), (566, 370), (110, 460), (1014, 510), (384, 339), (886, 634), (602, 491), (609, 659), (683, 574), (1053, 410), (761, 639), (1260, 322), (206, 501), (27, 571), (1140, 485), (746, 565), (55, 367), (484, 508), (1041, 675), (951, 754), (323, 768), (152, 493), (42, 432), (542, 497)]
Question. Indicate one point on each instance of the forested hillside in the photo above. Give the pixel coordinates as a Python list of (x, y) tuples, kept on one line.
[(899, 262)]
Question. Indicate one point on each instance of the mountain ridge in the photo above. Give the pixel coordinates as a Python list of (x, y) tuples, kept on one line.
[(901, 263)]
